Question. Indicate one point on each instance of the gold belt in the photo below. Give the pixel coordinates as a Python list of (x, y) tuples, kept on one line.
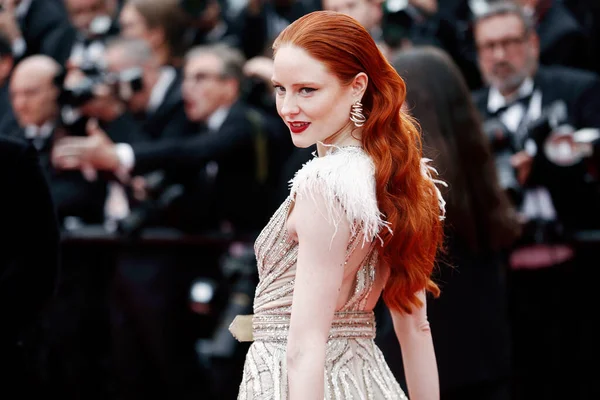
[(275, 327)]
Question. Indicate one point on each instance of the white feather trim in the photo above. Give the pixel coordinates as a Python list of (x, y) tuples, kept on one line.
[(426, 170), (344, 175)]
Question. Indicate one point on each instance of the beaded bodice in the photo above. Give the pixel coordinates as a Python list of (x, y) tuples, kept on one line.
[(276, 254)]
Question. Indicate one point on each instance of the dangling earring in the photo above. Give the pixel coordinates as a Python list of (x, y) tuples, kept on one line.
[(356, 114)]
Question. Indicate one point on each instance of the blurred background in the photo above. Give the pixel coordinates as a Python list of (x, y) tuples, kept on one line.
[(170, 104)]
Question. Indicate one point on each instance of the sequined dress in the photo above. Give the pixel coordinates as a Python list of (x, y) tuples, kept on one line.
[(355, 367)]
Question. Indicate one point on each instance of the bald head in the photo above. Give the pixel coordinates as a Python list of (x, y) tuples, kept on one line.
[(37, 67), (32, 90)]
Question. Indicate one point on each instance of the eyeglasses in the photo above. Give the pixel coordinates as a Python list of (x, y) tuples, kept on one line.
[(199, 77), (509, 44)]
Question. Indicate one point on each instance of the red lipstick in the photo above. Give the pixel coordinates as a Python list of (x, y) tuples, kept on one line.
[(298, 127)]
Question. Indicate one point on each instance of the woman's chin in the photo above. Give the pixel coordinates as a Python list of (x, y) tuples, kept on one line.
[(301, 142)]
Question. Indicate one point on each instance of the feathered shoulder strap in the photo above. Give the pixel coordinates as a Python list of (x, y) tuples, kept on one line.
[(344, 176)]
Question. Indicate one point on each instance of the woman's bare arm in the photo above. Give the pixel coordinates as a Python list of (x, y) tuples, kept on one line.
[(418, 355), (319, 275)]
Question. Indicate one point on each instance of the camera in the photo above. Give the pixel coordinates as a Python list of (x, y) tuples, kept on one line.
[(397, 21), (504, 144), (503, 147), (122, 84)]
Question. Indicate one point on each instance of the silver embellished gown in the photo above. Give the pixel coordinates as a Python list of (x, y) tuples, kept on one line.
[(355, 367)]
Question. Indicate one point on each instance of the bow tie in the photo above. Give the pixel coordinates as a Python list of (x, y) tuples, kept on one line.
[(524, 100)]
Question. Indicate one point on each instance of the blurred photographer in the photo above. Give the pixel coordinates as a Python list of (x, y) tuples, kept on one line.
[(260, 21), (36, 27), (525, 107), (134, 96), (238, 148), (33, 97), (408, 23), (210, 22), (134, 99), (161, 23), (95, 21)]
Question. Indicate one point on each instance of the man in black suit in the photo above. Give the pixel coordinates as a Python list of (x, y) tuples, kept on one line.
[(29, 264), (37, 27), (551, 316), (147, 104), (33, 97)]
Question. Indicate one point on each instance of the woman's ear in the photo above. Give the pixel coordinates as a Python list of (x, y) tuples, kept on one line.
[(359, 85)]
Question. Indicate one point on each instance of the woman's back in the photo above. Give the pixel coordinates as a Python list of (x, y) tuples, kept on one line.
[(354, 365)]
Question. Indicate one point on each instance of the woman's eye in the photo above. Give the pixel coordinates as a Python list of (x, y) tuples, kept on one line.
[(307, 90), (279, 89)]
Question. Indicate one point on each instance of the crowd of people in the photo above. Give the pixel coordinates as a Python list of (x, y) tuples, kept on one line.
[(160, 114)]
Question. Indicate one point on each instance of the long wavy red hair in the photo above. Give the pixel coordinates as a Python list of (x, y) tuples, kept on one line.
[(392, 139)]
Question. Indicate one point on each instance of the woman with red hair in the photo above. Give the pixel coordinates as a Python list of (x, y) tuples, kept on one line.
[(362, 220)]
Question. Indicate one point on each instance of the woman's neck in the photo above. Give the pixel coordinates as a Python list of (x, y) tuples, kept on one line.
[(323, 148), (350, 136)]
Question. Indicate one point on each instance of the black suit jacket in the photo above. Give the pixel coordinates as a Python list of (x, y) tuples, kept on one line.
[(575, 199), (47, 30), (562, 40), (29, 260), (244, 151), (5, 106), (169, 119), (72, 194)]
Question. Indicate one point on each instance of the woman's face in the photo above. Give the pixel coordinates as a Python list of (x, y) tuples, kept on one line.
[(310, 100)]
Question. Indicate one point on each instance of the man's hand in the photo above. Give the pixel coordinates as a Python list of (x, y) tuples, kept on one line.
[(260, 67), (94, 151), (522, 162), (139, 187), (8, 21)]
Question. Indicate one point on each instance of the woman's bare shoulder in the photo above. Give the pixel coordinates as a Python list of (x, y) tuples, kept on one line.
[(345, 179)]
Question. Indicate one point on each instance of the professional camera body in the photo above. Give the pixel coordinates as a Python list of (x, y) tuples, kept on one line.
[(502, 143), (398, 19), (505, 144), (122, 85)]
